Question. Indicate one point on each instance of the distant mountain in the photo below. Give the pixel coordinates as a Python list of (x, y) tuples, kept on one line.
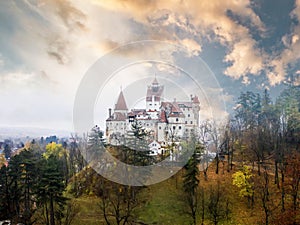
[(32, 132)]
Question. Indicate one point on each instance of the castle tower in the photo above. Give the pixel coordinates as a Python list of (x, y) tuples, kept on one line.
[(116, 124), (154, 98), (120, 106), (196, 108)]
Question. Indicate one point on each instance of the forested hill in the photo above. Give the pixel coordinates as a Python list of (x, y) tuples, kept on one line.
[(254, 179)]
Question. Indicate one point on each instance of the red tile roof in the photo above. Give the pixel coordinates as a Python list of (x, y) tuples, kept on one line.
[(163, 117), (196, 100)]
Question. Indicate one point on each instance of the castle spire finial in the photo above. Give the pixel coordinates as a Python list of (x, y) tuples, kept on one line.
[(155, 82)]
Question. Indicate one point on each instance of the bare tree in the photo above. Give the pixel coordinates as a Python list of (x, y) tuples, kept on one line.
[(218, 204)]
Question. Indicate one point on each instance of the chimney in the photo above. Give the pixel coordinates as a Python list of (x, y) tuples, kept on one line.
[(109, 112)]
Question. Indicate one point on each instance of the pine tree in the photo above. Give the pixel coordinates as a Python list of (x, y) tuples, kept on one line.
[(137, 141), (191, 178), (5, 200), (96, 145), (50, 187)]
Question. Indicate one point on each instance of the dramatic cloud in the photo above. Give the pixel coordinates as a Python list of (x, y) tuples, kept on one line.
[(290, 55), (48, 45), (187, 22), (244, 59)]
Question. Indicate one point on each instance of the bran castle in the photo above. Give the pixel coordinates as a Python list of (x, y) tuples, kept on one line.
[(164, 119)]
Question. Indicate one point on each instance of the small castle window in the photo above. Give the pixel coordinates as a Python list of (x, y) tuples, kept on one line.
[(159, 127), (191, 122), (185, 122), (179, 127), (176, 119), (189, 115), (174, 127)]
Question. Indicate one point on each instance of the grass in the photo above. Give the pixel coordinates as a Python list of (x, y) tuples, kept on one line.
[(163, 202), (88, 211)]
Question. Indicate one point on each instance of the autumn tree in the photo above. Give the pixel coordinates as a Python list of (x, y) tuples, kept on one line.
[(262, 186), (242, 179), (218, 205), (117, 202)]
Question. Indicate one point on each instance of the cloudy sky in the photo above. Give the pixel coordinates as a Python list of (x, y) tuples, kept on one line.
[(48, 46)]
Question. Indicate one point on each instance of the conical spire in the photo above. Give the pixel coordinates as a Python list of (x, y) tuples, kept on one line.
[(155, 82), (121, 103)]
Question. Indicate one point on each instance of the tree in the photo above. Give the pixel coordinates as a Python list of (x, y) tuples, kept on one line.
[(264, 194), (288, 109), (15, 189), (95, 144), (7, 151), (247, 110), (290, 215), (258, 122), (50, 186), (218, 204), (5, 197), (137, 142), (191, 178), (59, 152), (2, 160), (28, 181), (242, 179), (205, 131), (117, 202)]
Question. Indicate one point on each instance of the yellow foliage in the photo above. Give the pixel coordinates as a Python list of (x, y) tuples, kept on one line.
[(241, 179), (54, 149), (2, 160)]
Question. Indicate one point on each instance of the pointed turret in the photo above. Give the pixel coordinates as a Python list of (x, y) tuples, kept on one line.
[(155, 82), (121, 103)]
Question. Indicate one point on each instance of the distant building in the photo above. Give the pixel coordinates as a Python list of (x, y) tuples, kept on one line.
[(164, 119)]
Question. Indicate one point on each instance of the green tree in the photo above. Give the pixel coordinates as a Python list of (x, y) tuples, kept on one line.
[(118, 201), (5, 198), (137, 142), (28, 181), (191, 178), (50, 186)]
